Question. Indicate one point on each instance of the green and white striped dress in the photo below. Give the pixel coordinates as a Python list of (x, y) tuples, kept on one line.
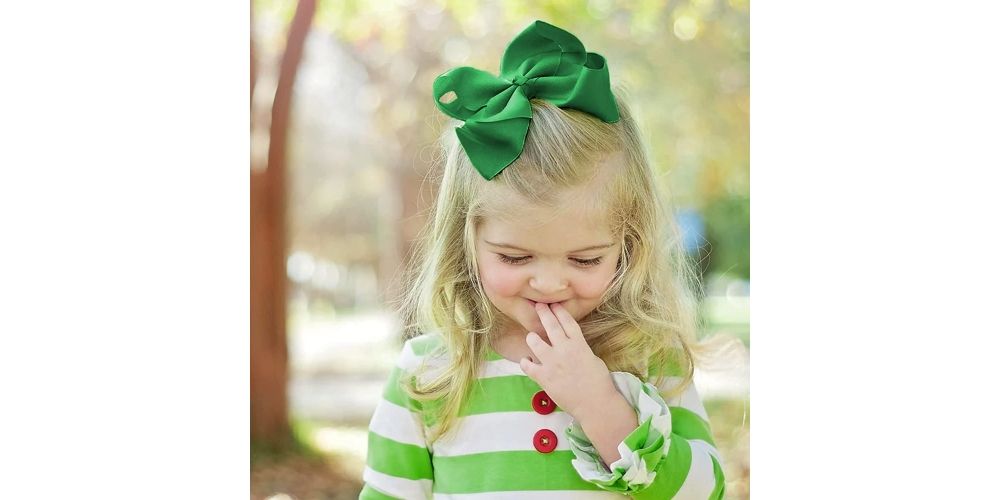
[(496, 453)]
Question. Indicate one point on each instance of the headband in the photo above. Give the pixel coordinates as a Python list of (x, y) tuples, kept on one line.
[(542, 62)]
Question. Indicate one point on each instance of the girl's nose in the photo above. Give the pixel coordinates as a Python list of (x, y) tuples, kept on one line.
[(548, 284)]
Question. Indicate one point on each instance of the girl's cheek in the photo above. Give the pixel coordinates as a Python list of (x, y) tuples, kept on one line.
[(594, 287), (499, 280), (591, 290)]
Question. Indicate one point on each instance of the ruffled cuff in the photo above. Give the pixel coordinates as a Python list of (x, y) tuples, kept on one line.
[(641, 451)]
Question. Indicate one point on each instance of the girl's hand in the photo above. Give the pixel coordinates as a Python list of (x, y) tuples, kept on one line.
[(576, 379)]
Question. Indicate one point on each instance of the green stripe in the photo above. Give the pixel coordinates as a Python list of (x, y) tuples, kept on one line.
[(720, 482), (488, 395), (394, 393), (501, 394), (670, 473), (670, 365), (370, 493), (508, 471), (635, 439), (491, 355), (652, 452), (690, 425), (398, 459)]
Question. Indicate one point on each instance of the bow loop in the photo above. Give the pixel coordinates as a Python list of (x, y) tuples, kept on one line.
[(472, 88), (544, 45), (543, 62)]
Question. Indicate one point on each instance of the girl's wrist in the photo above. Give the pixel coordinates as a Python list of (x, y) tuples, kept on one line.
[(607, 424), (605, 402)]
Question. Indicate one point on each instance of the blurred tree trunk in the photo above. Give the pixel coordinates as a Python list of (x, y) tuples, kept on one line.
[(268, 346)]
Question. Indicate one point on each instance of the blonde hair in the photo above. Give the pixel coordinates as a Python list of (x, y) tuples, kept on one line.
[(647, 319)]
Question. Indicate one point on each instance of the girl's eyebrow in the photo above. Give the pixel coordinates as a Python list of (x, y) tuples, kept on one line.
[(512, 247)]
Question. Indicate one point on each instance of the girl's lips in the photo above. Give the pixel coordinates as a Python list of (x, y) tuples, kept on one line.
[(550, 303)]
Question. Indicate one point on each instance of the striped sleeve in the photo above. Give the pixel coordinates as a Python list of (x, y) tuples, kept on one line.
[(671, 455), (691, 467), (398, 463)]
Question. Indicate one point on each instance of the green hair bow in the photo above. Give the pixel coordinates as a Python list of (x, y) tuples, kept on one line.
[(543, 62)]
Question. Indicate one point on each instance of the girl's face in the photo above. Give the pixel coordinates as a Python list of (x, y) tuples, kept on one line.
[(542, 255)]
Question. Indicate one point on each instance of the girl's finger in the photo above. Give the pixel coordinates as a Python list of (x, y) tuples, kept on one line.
[(569, 325), (538, 346), (529, 368), (551, 324)]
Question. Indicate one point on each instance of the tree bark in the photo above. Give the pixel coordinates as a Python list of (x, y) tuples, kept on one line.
[(268, 345)]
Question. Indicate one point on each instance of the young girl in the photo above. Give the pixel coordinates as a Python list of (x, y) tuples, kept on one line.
[(549, 312)]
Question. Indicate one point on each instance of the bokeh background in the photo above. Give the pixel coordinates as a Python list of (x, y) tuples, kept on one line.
[(343, 131)]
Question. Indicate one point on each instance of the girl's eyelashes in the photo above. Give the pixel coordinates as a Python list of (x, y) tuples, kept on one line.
[(589, 262), (518, 260), (511, 260)]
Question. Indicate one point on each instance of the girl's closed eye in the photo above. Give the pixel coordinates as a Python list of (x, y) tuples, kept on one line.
[(519, 260)]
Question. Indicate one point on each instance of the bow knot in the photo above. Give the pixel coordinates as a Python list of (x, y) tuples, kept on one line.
[(543, 62), (519, 80)]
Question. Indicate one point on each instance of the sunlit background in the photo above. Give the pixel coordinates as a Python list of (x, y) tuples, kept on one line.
[(343, 128)]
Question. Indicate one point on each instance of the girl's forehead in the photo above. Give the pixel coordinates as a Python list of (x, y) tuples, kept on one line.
[(544, 229), (566, 216)]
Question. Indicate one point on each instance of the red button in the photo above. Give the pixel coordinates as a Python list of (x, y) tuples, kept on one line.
[(545, 441), (542, 403)]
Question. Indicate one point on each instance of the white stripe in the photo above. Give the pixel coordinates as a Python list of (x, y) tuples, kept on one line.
[(501, 368), (667, 383), (533, 495), (697, 445), (493, 368), (502, 431), (688, 399), (397, 423), (408, 359), (409, 362), (700, 480), (398, 486)]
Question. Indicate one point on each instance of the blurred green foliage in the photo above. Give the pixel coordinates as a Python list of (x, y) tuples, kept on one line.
[(727, 221), (300, 444)]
